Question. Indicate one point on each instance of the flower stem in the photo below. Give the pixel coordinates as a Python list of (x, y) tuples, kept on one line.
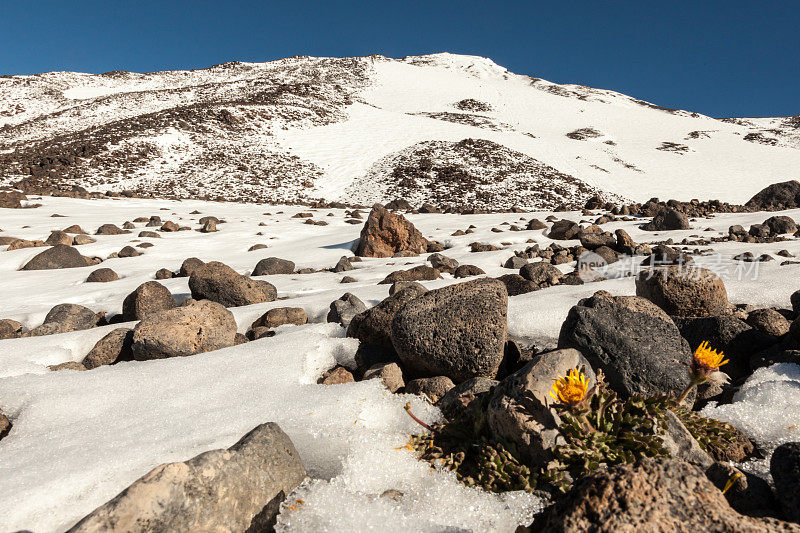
[(417, 420)]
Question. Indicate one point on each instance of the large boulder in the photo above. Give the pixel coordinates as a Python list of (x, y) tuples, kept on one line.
[(684, 292), (657, 495), (59, 256), (114, 347), (635, 343), (220, 283), (778, 225), (667, 219), (148, 298), (542, 274), (238, 489), (201, 326), (66, 317), (457, 331), (273, 265), (385, 233), (374, 326), (785, 469), (520, 410), (776, 197)]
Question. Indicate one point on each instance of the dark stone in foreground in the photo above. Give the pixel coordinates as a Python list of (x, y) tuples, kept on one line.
[(785, 468)]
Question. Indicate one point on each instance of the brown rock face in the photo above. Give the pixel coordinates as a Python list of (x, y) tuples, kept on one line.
[(220, 283), (196, 328), (650, 496), (148, 298), (116, 346), (238, 489), (59, 256), (280, 316), (684, 291), (387, 233)]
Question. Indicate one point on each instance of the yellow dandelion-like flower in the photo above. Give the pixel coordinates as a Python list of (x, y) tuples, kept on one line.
[(706, 360), (571, 389)]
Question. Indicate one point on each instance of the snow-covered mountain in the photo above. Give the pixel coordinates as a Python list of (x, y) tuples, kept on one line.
[(448, 129)]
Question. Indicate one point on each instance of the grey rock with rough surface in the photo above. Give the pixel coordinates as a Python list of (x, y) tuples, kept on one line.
[(458, 331), (684, 292), (667, 219), (102, 275), (542, 274), (345, 308), (201, 326), (234, 490), (220, 283), (785, 469), (458, 399), (188, 266), (66, 317), (520, 410), (373, 326), (389, 373), (280, 316), (635, 343)]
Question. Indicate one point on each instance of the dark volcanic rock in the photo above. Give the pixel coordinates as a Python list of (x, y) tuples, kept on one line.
[(418, 273), (776, 197), (102, 275), (668, 219), (280, 316), (373, 326), (457, 331), (785, 469), (635, 343), (564, 230), (466, 271), (66, 317), (541, 274), (345, 308), (684, 292), (238, 489)]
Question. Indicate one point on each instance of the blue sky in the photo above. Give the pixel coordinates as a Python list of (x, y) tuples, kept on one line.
[(721, 58)]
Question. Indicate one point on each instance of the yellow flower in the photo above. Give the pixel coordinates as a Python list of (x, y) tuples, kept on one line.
[(571, 389), (706, 361)]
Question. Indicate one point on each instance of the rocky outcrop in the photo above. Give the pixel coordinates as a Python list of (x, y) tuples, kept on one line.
[(386, 233), (238, 489), (776, 197)]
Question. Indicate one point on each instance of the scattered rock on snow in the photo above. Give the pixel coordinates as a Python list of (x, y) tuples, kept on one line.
[(386, 233), (219, 283), (238, 489), (345, 308), (684, 292), (114, 347), (273, 265), (59, 256), (148, 298), (280, 316)]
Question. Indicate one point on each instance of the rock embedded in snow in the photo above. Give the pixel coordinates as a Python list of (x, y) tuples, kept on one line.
[(59, 256), (345, 308), (467, 271), (219, 283), (385, 233), (188, 266), (337, 376), (635, 343), (58, 237), (11, 199), (458, 331), (66, 317), (781, 224), (668, 219), (418, 273), (5, 425), (200, 327), (279, 316), (102, 275), (650, 495), (520, 411), (373, 326), (541, 274), (110, 229), (684, 292), (785, 470), (516, 284), (238, 489), (442, 263), (273, 265), (564, 230), (10, 329), (148, 298), (114, 347)]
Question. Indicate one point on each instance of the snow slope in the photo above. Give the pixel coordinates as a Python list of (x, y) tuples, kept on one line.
[(81, 437), (304, 128)]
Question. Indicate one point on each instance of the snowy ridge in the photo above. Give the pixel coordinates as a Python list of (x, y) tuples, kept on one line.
[(306, 128)]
